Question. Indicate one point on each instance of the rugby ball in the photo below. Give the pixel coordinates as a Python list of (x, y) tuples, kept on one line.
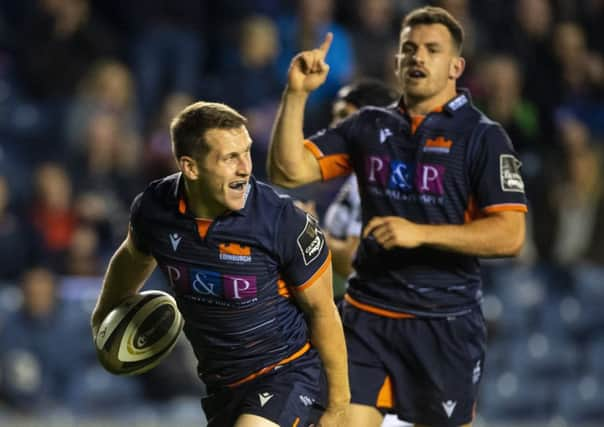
[(139, 333)]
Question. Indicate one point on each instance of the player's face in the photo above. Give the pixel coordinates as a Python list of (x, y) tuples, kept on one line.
[(427, 62), (225, 170)]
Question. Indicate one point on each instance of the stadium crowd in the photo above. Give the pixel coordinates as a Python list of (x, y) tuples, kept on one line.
[(87, 92)]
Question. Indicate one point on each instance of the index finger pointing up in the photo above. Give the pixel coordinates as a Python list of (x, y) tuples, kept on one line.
[(324, 48)]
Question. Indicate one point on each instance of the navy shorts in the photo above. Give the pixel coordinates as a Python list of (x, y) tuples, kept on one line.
[(425, 370), (293, 395)]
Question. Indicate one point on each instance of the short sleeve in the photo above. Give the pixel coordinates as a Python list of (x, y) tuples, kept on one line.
[(136, 226), (301, 247), (495, 173), (331, 148)]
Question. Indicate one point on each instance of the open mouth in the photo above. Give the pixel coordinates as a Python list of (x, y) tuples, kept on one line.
[(416, 74), (238, 185)]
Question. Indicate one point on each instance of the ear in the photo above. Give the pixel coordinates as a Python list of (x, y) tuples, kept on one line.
[(458, 64), (188, 166)]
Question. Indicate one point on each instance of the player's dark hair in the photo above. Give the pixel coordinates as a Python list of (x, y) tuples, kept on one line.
[(436, 15), (367, 92), (189, 127)]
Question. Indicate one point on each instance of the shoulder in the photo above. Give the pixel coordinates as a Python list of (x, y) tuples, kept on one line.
[(266, 198), (165, 188), (369, 112), (371, 117), (489, 131), (160, 192), (483, 128), (267, 206), (274, 215)]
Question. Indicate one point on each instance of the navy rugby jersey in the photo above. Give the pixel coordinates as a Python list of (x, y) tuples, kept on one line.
[(232, 279), (449, 168)]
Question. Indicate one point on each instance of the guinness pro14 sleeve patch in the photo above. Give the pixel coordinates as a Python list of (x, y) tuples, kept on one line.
[(310, 240), (509, 169)]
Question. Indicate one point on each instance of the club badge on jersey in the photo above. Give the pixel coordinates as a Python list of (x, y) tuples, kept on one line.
[(310, 240)]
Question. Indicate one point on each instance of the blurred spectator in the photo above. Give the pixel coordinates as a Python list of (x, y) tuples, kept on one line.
[(62, 39), (374, 38), (106, 159), (52, 212), (571, 229), (306, 30), (581, 75), (231, 11), (249, 80), (106, 214), (111, 161), (16, 238), (249, 76), (589, 14), (474, 34), (530, 43), (581, 69), (168, 49), (159, 159), (502, 86), (83, 255), (41, 352), (501, 98), (108, 88)]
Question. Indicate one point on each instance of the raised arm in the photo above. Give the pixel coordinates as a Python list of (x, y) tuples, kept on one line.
[(126, 274), (289, 164), (327, 337)]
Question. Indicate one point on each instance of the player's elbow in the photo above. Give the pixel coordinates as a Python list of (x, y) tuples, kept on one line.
[(278, 177), (285, 177), (510, 229), (514, 243), (515, 249)]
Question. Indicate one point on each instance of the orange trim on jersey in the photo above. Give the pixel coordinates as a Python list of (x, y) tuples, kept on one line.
[(376, 310), (296, 422), (269, 368), (282, 288), (472, 211), (312, 147), (438, 109), (332, 165), (418, 119), (182, 206), (415, 122), (439, 142), (316, 275), (234, 249), (202, 227), (385, 398), (518, 207)]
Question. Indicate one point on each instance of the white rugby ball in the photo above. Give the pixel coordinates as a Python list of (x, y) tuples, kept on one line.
[(139, 333)]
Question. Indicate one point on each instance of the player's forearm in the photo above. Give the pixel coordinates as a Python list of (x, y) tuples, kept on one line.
[(125, 275), (287, 157), (492, 236), (328, 338)]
